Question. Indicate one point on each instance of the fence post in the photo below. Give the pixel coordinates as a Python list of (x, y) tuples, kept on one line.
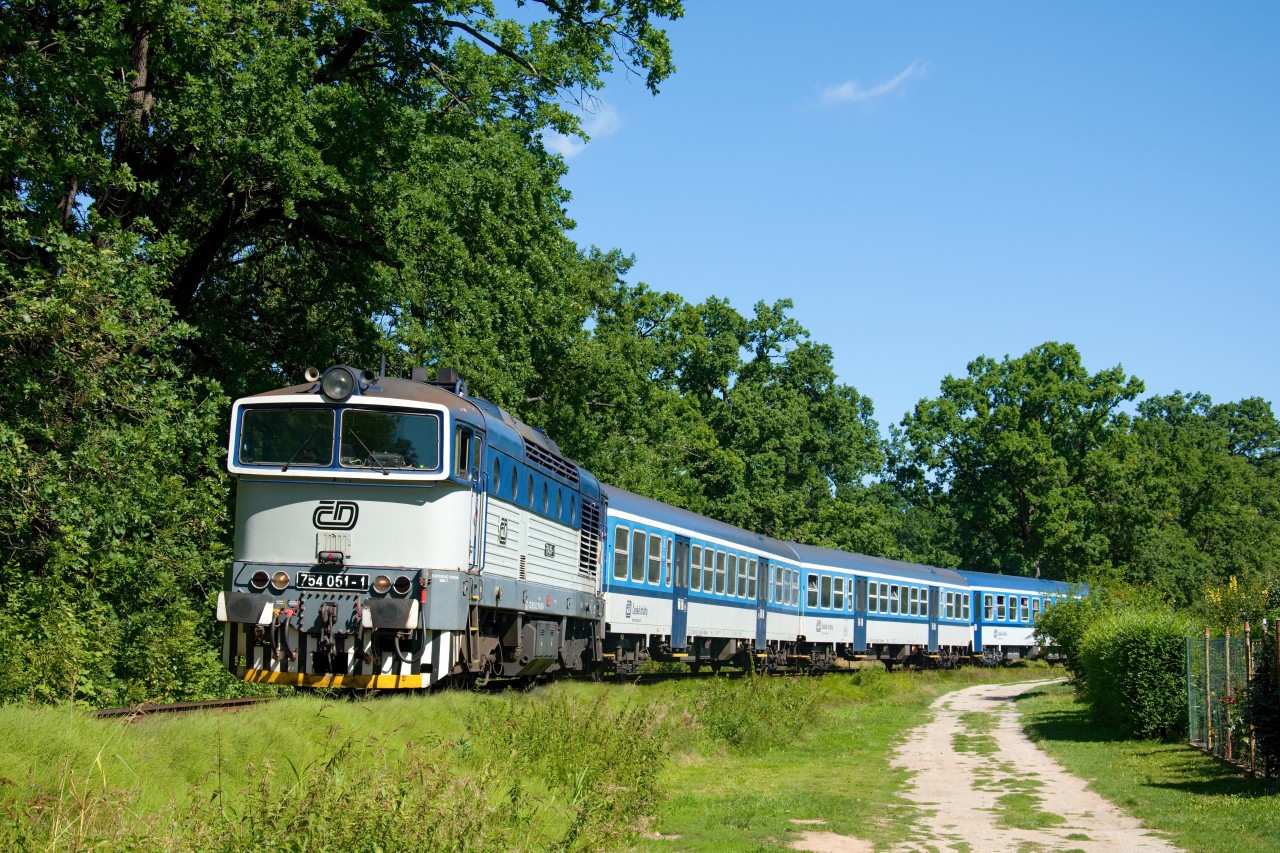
[(1248, 674), (1208, 700), (1230, 720)]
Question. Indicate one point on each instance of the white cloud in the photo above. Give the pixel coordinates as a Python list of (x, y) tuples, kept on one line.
[(852, 92), (603, 121)]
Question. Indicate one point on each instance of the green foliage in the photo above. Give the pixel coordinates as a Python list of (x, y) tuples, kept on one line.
[(1063, 626), (1017, 451), (115, 502), (1132, 660), (756, 714), (1263, 709)]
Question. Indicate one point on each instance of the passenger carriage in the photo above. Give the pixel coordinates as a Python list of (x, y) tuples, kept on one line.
[(1005, 611)]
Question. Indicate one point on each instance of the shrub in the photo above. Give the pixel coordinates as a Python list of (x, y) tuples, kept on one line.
[(1132, 665), (1264, 703)]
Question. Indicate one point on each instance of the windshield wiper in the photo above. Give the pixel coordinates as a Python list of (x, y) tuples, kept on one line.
[(298, 452), (371, 456)]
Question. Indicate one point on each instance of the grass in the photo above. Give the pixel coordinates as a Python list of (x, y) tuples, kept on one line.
[(711, 764), (1199, 802)]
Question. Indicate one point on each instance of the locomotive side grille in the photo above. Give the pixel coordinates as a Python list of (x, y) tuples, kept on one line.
[(522, 565), (553, 462), (589, 539)]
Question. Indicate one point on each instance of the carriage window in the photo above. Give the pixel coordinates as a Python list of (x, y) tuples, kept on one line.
[(1035, 609), (893, 599), (1026, 611), (637, 556), (839, 593), (732, 572), (964, 607), (620, 534), (695, 568), (655, 559), (681, 552), (742, 577), (826, 591), (813, 590), (915, 602), (871, 596), (1001, 614), (902, 600), (751, 580), (795, 587), (720, 572), (987, 610), (884, 597)]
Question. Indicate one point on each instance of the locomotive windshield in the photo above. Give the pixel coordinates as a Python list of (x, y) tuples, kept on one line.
[(390, 440), (302, 437)]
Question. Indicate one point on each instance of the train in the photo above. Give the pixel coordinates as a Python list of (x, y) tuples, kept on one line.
[(399, 533)]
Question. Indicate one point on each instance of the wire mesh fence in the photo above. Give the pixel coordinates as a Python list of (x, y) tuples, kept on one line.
[(1220, 671)]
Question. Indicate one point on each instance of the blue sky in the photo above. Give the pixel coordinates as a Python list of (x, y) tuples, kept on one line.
[(930, 182)]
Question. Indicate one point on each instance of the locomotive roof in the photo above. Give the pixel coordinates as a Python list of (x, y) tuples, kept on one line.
[(848, 561), (1017, 582), (503, 430), (620, 500)]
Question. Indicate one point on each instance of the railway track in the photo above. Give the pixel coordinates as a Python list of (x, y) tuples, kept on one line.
[(182, 707)]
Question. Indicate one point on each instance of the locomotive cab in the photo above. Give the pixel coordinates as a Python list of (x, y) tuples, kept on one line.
[(366, 509)]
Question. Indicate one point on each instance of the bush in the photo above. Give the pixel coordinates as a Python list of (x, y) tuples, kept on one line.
[(1132, 665), (1062, 626), (1264, 704)]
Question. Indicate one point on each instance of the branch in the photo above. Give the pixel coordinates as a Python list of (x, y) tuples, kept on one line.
[(483, 39)]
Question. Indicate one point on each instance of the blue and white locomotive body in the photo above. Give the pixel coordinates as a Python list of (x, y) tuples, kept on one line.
[(393, 533)]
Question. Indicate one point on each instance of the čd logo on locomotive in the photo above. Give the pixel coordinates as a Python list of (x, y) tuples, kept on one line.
[(336, 515)]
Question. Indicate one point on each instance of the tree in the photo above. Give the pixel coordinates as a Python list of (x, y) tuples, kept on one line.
[(1017, 451), (312, 171)]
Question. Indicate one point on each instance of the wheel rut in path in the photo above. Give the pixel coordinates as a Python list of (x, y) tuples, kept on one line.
[(986, 788)]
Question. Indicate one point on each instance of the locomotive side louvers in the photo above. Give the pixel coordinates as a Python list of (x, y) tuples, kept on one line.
[(553, 462), (589, 541)]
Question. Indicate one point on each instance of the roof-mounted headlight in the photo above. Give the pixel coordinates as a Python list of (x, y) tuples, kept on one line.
[(338, 383)]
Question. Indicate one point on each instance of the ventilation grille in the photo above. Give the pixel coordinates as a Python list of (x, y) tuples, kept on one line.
[(553, 462), (522, 575), (589, 539)]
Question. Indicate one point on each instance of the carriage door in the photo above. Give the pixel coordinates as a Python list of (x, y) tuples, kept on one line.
[(469, 464), (933, 619), (860, 617), (680, 596), (762, 603)]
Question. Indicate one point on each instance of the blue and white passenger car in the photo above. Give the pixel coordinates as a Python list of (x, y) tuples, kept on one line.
[(1005, 610)]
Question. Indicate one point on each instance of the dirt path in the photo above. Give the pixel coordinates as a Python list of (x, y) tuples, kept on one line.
[(986, 787)]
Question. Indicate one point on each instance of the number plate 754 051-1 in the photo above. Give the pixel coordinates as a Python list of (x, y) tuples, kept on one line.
[(332, 580)]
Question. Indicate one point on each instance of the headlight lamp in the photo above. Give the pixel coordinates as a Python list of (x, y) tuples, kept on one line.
[(381, 584), (279, 580), (338, 383), (259, 580), (401, 585)]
